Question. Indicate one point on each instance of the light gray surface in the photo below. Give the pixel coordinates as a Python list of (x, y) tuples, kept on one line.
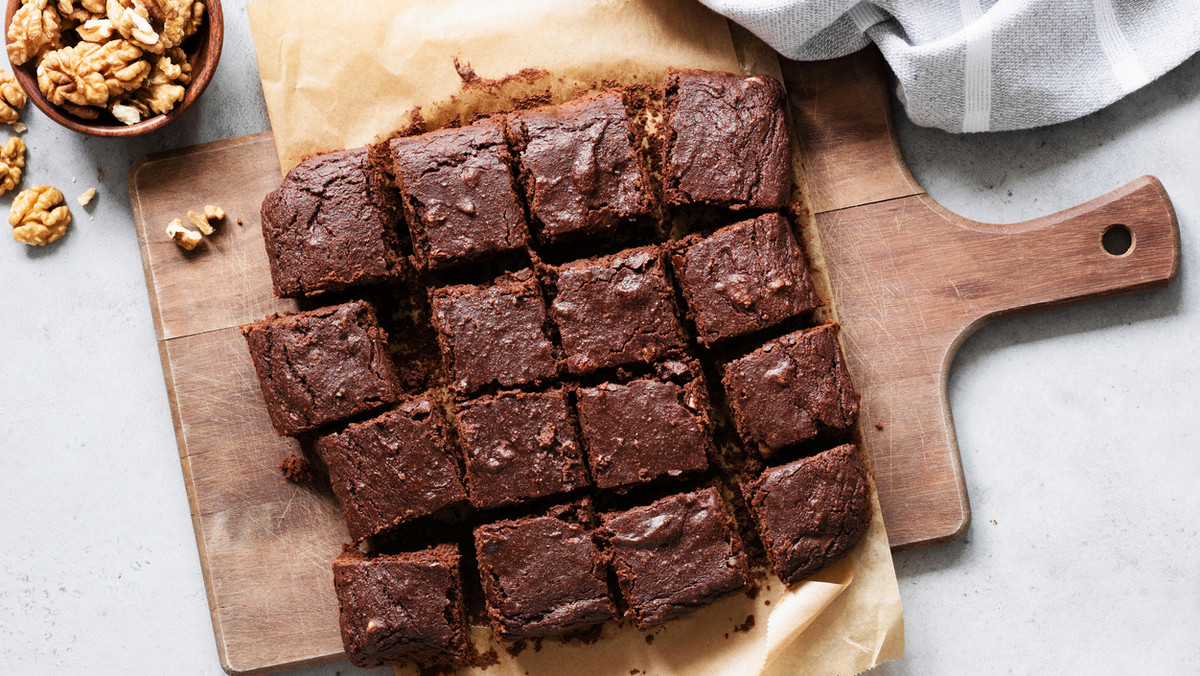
[(1076, 426)]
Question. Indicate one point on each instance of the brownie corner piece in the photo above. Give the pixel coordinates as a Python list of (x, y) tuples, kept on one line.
[(332, 225), (743, 278), (321, 366), (792, 389), (401, 608), (518, 446), (674, 556), (616, 310), (580, 168), (393, 468), (494, 333), (542, 575), (812, 511), (458, 193), (727, 141)]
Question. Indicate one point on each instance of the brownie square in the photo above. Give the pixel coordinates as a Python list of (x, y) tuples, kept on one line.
[(401, 608), (616, 310), (494, 333), (579, 168), (677, 555), (321, 366), (726, 141), (743, 278), (518, 446), (811, 511), (542, 575), (331, 225), (792, 389), (392, 469), (458, 194), (643, 430)]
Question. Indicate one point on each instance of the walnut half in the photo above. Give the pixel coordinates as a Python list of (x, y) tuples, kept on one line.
[(38, 216), (12, 161), (12, 98), (89, 74), (185, 238), (33, 28)]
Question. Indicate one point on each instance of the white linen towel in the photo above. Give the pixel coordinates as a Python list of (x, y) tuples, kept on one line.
[(989, 65)]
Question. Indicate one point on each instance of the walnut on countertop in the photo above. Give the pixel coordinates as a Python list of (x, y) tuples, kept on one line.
[(12, 98), (38, 216), (33, 28), (188, 239), (12, 161), (90, 74)]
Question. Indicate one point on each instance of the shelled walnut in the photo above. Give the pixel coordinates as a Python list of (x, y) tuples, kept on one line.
[(12, 161), (12, 98), (38, 216), (184, 237), (34, 28)]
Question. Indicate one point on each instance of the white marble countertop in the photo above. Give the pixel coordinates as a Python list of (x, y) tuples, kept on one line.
[(1076, 426)]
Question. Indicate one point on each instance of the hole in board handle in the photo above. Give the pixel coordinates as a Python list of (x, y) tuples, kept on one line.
[(1117, 240)]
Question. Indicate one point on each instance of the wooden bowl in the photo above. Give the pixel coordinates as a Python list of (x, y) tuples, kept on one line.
[(203, 50)]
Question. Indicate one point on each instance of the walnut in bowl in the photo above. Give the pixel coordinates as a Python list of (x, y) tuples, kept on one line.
[(114, 67)]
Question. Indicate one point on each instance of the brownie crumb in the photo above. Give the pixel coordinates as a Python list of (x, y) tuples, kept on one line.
[(745, 626), (239, 221), (649, 639), (879, 426), (472, 80), (516, 648), (482, 660), (296, 469)]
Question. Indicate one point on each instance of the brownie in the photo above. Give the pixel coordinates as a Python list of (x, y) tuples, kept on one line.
[(743, 278), (674, 556), (726, 141), (458, 194), (392, 469), (579, 168), (331, 225), (644, 429), (792, 389), (811, 511), (518, 446), (321, 366), (494, 333), (401, 608), (542, 575), (616, 310)]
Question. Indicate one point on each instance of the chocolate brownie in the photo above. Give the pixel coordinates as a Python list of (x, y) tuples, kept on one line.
[(458, 194), (616, 310), (494, 333), (392, 469), (811, 511), (321, 366), (743, 278), (792, 389), (518, 446), (542, 575), (726, 141), (331, 225), (674, 556), (579, 168), (642, 430), (401, 608)]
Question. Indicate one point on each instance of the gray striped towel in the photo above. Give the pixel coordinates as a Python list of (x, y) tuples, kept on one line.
[(989, 65)]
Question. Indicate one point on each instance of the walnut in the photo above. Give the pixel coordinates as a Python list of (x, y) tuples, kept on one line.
[(179, 19), (126, 113), (89, 74), (33, 28), (36, 219), (188, 239), (96, 30), (12, 98), (87, 196), (131, 18), (12, 161), (202, 220), (162, 89)]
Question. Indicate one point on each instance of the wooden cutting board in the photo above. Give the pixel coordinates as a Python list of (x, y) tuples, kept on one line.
[(910, 281)]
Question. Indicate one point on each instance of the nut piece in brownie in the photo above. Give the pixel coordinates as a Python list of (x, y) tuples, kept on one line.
[(518, 446), (579, 168), (811, 511), (494, 333), (792, 389), (644, 429), (331, 225), (726, 141), (401, 608), (743, 278), (616, 310), (321, 366), (674, 556), (543, 575), (392, 469), (458, 194)]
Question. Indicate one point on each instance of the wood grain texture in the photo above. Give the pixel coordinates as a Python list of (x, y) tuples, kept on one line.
[(909, 282)]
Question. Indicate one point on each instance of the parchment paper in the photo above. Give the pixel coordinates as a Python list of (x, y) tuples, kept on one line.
[(343, 74)]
